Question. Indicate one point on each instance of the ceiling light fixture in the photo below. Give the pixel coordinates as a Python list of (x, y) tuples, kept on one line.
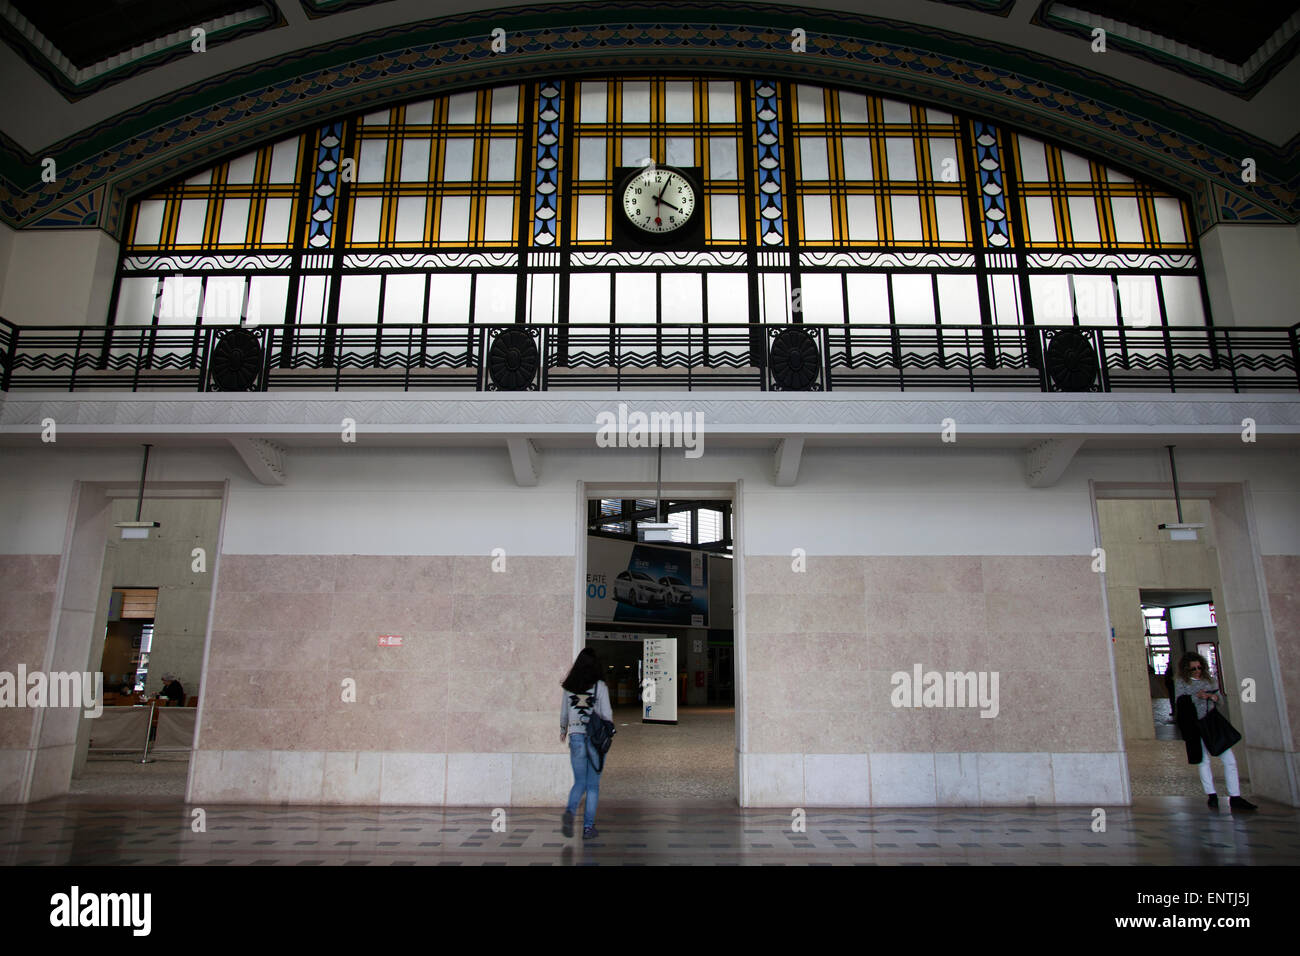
[(1179, 531), (137, 529)]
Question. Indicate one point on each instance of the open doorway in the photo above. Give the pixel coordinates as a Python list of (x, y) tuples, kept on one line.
[(659, 616)]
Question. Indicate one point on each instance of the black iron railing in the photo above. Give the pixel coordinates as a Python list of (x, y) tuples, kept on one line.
[(670, 356)]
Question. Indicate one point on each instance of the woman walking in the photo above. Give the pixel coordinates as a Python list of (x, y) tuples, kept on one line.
[(584, 693), (1196, 696)]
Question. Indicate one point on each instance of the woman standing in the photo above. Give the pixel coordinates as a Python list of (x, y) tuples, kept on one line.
[(584, 692), (1195, 694)]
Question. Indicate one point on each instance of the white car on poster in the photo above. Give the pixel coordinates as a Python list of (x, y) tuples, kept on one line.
[(638, 589)]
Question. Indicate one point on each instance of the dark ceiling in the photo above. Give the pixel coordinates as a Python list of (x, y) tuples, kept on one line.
[(1231, 31)]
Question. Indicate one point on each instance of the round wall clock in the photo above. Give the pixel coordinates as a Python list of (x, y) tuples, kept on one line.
[(658, 200)]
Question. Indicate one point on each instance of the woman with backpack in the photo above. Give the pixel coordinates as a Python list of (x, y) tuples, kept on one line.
[(585, 699)]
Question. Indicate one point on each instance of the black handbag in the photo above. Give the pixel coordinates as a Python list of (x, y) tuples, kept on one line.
[(600, 735), (1217, 733)]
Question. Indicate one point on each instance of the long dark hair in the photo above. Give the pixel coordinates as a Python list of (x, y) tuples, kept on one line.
[(584, 673), (1184, 667)]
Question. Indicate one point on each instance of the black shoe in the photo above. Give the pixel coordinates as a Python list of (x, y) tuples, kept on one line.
[(1241, 803), (589, 833), (1212, 801), (567, 824)]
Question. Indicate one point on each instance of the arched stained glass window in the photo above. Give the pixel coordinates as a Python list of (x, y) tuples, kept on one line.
[(817, 205)]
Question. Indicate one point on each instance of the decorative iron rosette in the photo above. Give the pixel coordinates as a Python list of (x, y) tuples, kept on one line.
[(236, 361), (512, 361), (795, 361), (1071, 362)]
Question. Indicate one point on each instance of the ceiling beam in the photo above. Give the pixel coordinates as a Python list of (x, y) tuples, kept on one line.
[(786, 459), (526, 461), (266, 460), (1046, 461)]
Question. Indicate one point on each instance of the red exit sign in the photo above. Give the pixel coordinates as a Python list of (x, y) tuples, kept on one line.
[(390, 640)]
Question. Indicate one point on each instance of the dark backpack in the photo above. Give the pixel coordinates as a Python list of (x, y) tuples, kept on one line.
[(600, 735)]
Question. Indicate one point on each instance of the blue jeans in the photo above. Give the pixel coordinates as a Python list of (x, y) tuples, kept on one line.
[(585, 779)]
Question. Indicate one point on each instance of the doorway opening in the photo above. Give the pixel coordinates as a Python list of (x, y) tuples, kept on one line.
[(659, 616)]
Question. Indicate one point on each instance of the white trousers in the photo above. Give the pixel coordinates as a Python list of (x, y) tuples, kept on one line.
[(1229, 771)]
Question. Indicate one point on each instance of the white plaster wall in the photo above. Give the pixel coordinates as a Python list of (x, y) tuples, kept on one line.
[(58, 277), (1253, 274)]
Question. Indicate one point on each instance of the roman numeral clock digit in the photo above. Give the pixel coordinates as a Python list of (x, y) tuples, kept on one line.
[(658, 203)]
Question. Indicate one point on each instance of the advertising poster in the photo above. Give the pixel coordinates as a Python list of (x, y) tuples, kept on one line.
[(637, 583), (659, 681)]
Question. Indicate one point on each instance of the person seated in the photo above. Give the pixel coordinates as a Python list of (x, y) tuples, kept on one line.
[(173, 690)]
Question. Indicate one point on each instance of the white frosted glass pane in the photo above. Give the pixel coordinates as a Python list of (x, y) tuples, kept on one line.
[(728, 297), (900, 158), (415, 161), (1169, 220), (636, 102), (937, 116), (419, 114), (189, 230), (679, 103), (234, 221), (857, 158), (1183, 305), (200, 179), (275, 221), (449, 297), (683, 297), (1033, 161), (453, 223), (913, 300), (817, 218), (812, 108), (377, 118), (724, 217), (458, 160), (943, 160), (1138, 301), (774, 302), (542, 297), (148, 222), (410, 219), (374, 154), (1083, 219), (179, 303), (907, 218), (589, 297), (1076, 168), (722, 102), (501, 161), (223, 300), (951, 213), (359, 299), (499, 214), (403, 300), (365, 219), (1115, 176), (135, 301), (267, 299), (959, 301), (634, 297), (591, 158), (868, 298), (722, 158), (1094, 300), (505, 105), (592, 102), (1051, 298), (1128, 220), (853, 108), (812, 157), (1042, 222), (862, 217), (313, 297), (461, 108), (681, 151), (636, 150), (896, 112), (591, 218), (494, 298), (284, 162), (1004, 296), (821, 297), (242, 169)]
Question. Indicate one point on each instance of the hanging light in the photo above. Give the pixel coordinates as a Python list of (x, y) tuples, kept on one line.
[(657, 530), (137, 529), (1180, 530)]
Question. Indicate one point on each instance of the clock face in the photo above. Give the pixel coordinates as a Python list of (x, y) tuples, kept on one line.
[(659, 200)]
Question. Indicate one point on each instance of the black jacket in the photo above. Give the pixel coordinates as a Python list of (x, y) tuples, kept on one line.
[(1189, 728)]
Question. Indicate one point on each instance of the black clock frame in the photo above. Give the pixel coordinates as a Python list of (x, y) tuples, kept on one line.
[(629, 237)]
